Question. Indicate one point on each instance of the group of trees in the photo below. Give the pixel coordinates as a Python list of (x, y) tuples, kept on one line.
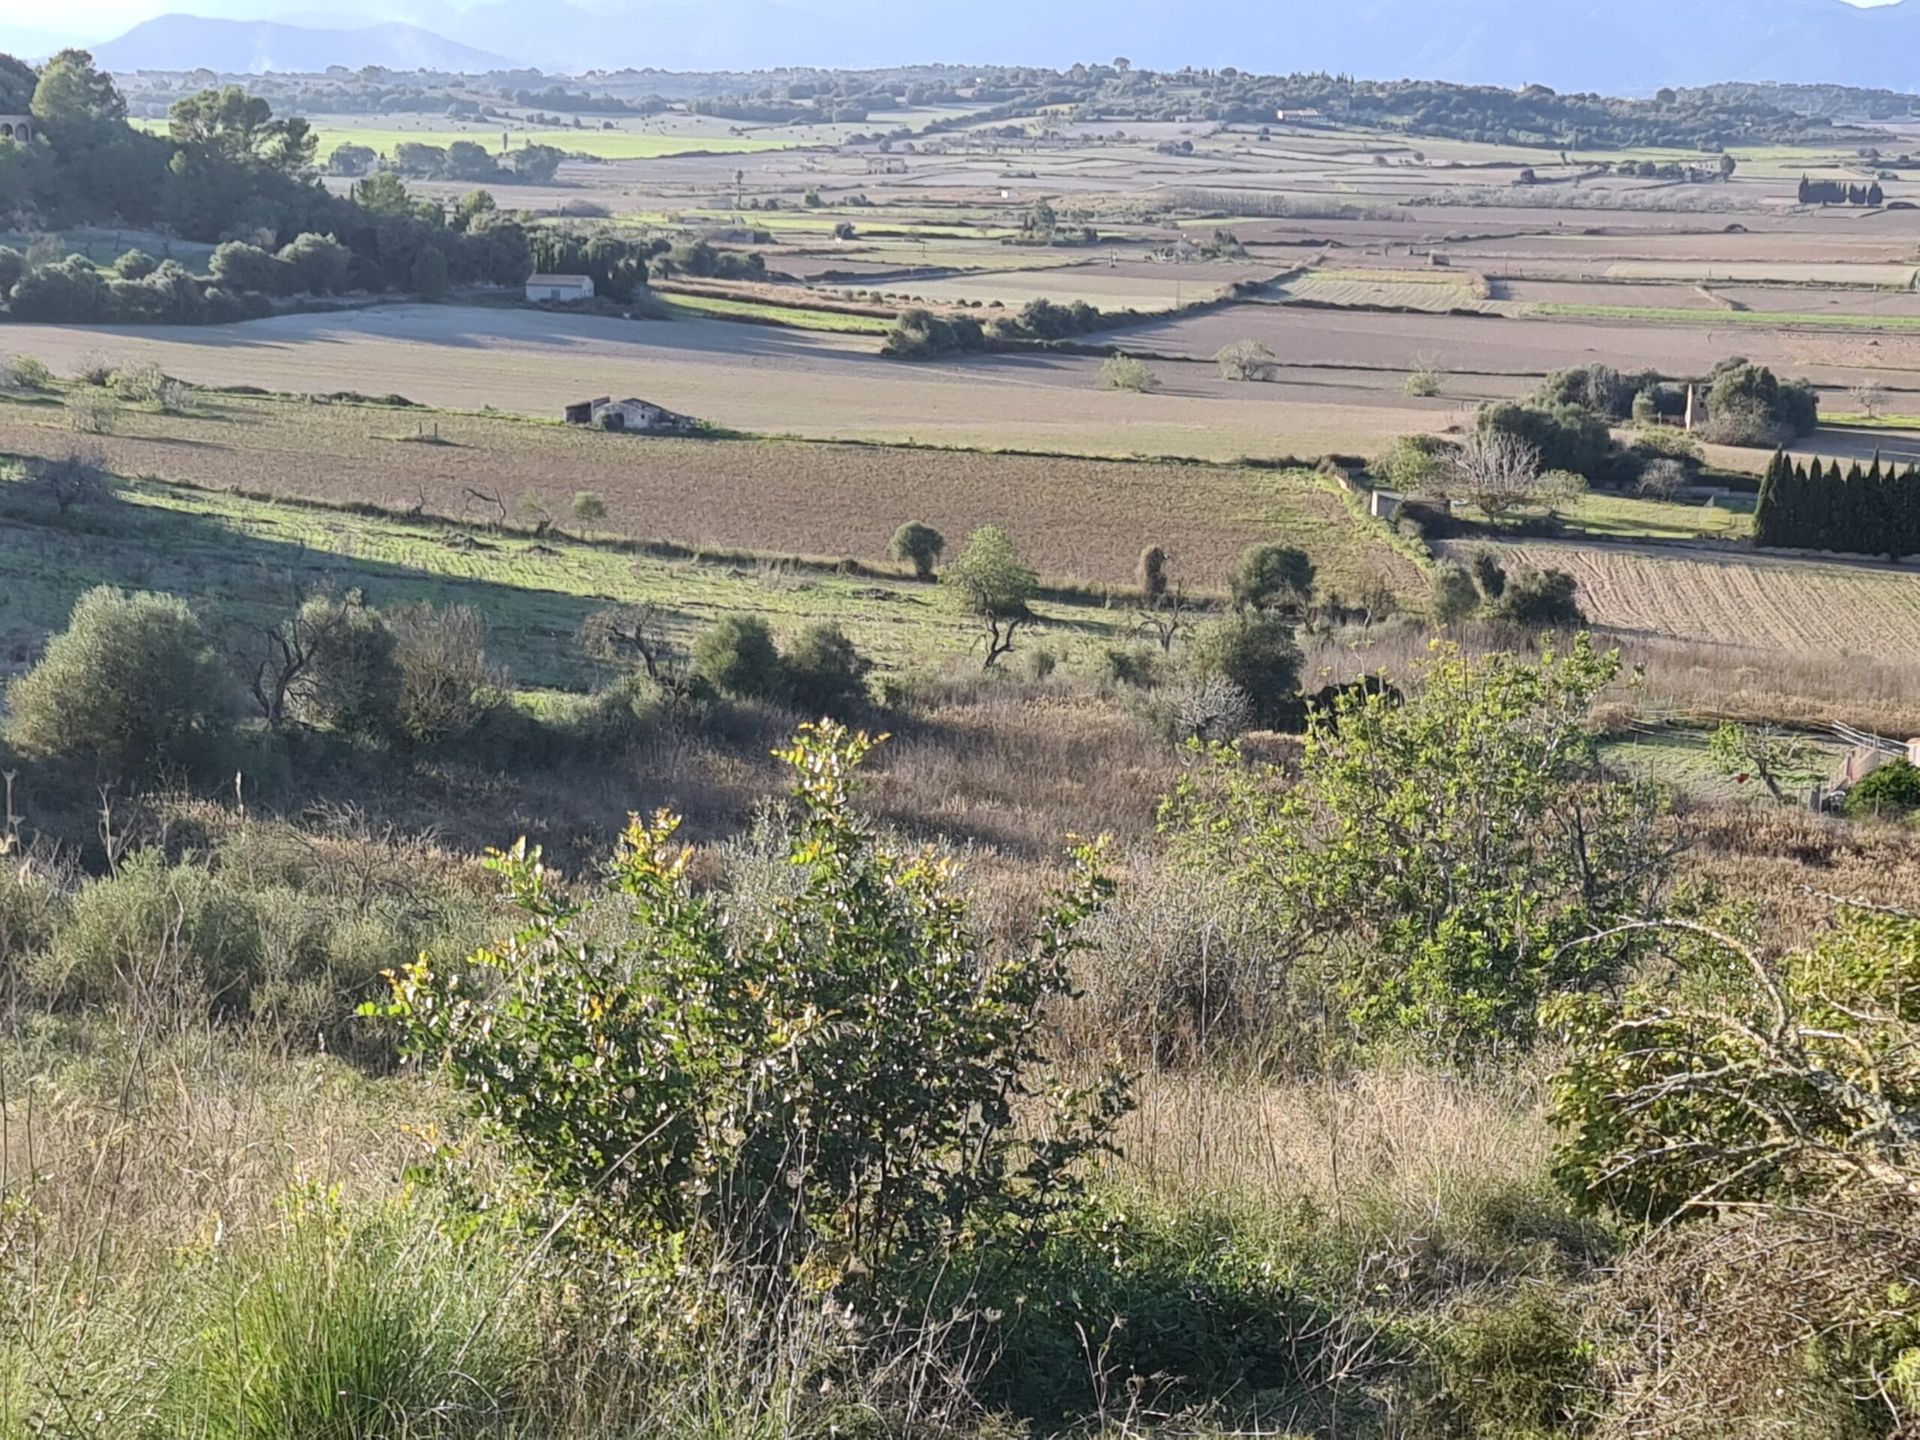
[(227, 170), (920, 334), (1859, 511), (464, 160), (1840, 192)]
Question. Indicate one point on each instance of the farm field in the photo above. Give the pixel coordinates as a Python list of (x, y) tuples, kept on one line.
[(630, 142), (533, 592), (1779, 603), (1074, 519), (1388, 289), (757, 378), (1142, 288)]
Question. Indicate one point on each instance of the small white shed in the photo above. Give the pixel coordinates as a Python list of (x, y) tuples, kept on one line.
[(560, 289)]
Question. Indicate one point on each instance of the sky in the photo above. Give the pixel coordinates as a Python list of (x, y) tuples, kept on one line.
[(38, 30)]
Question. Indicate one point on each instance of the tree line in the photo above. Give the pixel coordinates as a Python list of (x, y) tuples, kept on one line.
[(1839, 192), (1864, 512)]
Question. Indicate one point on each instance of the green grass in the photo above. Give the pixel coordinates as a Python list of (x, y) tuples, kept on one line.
[(791, 316), (1627, 517), (1683, 760), (232, 555), (1757, 318), (1870, 422)]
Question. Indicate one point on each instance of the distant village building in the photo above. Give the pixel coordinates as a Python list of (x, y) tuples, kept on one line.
[(886, 165), (17, 127), (560, 289)]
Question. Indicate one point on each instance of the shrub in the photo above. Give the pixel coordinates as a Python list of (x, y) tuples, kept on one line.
[(842, 1073), (239, 266), (316, 264), (921, 335), (1454, 595), (825, 674), (78, 477), (1150, 574), (736, 655), (589, 507), (26, 372), (1489, 574), (138, 384), (1449, 859), (1598, 388), (1123, 372), (920, 544), (1646, 409), (1546, 600), (1663, 479), (1417, 464), (1271, 577), (92, 412), (1247, 360), (1254, 652), (1425, 379), (1564, 437), (1517, 1368), (13, 265), (135, 265), (446, 685), (352, 681), (1893, 789), (1748, 405), (131, 683)]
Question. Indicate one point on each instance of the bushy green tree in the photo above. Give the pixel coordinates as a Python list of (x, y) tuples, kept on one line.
[(316, 264), (1455, 596), (825, 674), (737, 656), (1450, 860), (430, 276), (920, 544), (1271, 577), (993, 587), (351, 680), (848, 1077), (1545, 600), (1254, 652), (240, 266), (1891, 791), (132, 683)]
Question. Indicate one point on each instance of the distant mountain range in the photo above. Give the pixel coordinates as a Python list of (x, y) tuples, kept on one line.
[(1615, 46), (190, 42)]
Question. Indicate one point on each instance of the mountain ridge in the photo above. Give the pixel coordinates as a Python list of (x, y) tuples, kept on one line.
[(1624, 47)]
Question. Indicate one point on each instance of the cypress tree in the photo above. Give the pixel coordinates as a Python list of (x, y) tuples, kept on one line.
[(1767, 514)]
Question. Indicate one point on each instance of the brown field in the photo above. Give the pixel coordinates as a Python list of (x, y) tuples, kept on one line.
[(1074, 519), (760, 379), (1779, 603)]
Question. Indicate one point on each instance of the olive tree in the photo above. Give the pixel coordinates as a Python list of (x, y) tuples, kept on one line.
[(131, 683), (994, 588)]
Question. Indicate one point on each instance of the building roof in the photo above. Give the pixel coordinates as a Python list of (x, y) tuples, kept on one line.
[(559, 280)]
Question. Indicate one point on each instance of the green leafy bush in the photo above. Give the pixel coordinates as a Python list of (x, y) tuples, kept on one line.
[(447, 686), (1454, 595), (736, 655), (352, 681), (1447, 860), (1893, 789), (1255, 653), (131, 683), (825, 674), (1271, 576), (846, 1077), (920, 544), (1545, 600)]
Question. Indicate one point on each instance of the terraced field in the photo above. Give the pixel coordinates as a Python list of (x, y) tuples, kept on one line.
[(1389, 289), (1771, 602)]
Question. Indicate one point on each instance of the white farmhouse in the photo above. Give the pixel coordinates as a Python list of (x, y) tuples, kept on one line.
[(560, 289)]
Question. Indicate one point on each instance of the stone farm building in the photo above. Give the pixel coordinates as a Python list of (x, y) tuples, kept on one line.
[(561, 289), (17, 127)]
